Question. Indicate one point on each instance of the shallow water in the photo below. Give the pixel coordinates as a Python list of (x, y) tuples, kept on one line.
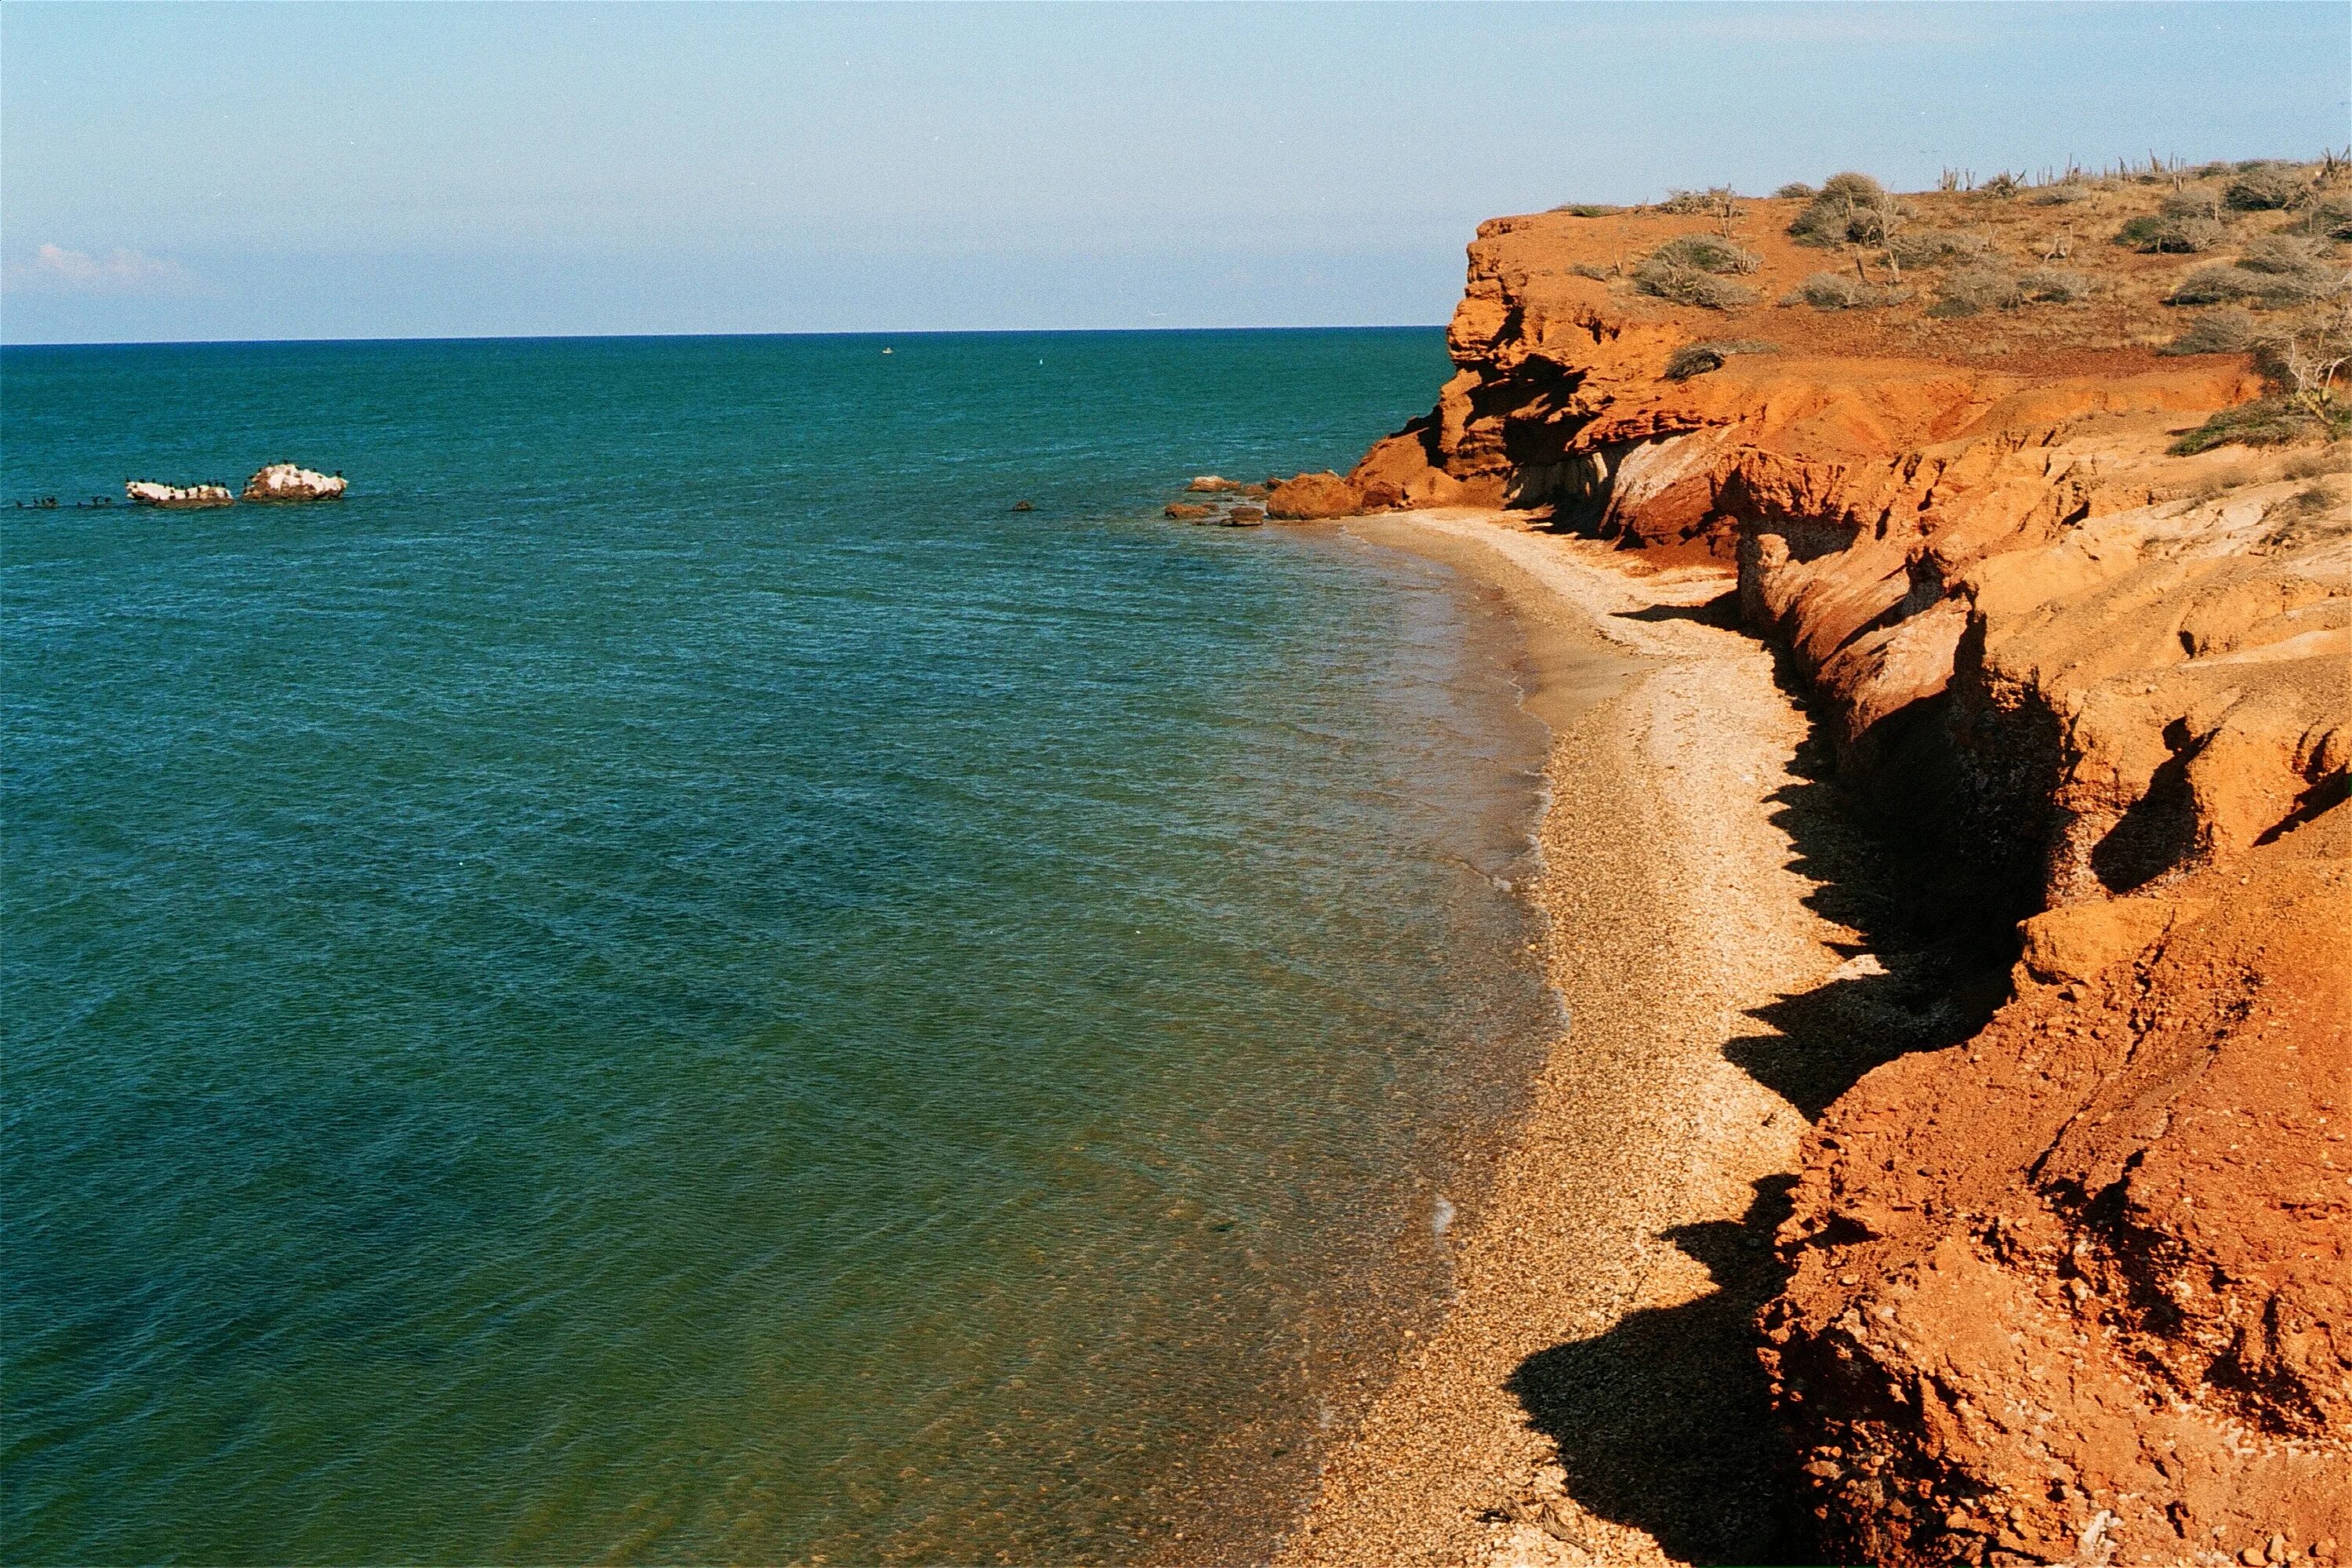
[(673, 980)]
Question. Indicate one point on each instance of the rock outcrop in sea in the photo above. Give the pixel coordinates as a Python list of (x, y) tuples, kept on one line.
[(291, 482), (2076, 1287), (177, 497)]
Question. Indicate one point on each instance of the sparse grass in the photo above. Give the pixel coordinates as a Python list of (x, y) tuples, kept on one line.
[(1698, 359), (2064, 192), (1588, 209), (1586, 269), (2276, 421)]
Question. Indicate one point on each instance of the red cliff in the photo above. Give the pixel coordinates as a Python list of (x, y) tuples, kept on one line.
[(2075, 1288)]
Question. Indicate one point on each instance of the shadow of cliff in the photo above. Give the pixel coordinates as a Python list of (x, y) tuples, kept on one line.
[(1931, 957), (1723, 611), (1666, 1422)]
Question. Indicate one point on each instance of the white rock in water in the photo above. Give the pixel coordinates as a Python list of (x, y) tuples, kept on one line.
[(285, 481), (147, 493)]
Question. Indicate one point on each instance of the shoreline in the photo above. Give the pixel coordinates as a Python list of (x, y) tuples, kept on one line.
[(1592, 1392)]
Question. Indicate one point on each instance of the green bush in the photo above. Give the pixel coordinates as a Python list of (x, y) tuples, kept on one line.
[(2264, 186), (1969, 290), (2231, 331), (2052, 286), (2267, 422)]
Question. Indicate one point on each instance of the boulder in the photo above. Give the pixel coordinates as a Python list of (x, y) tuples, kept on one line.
[(147, 493), (1024, 506), (1211, 484), (1310, 495), (1184, 511), (289, 482), (1246, 514)]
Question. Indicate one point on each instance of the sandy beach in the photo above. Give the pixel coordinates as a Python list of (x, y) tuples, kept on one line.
[(1593, 1395)]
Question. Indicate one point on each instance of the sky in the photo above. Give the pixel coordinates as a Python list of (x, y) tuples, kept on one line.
[(196, 171)]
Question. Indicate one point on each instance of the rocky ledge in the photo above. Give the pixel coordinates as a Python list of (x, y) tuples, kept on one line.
[(148, 492), (2074, 1287)]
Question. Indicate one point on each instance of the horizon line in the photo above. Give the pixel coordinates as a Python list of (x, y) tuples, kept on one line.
[(656, 337)]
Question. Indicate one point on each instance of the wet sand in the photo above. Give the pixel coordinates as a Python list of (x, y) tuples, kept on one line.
[(1592, 1395)]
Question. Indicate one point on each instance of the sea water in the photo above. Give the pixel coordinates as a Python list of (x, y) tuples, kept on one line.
[(674, 979)]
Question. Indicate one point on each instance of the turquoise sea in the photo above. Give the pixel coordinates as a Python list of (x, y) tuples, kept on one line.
[(673, 980)]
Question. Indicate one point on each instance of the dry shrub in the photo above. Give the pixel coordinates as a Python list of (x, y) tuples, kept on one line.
[(2264, 186), (2064, 192), (1686, 285), (1796, 190), (1971, 290), (1698, 359), (1931, 246), (2327, 218), (1708, 253), (2053, 286), (2002, 185), (1588, 209), (2331, 459), (1586, 269), (2281, 255), (1837, 291), (2231, 331), (1849, 208)]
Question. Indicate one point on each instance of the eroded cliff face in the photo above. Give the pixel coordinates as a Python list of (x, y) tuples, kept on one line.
[(2074, 1289)]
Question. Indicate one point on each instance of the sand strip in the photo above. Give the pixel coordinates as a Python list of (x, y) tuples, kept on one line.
[(1592, 1395)]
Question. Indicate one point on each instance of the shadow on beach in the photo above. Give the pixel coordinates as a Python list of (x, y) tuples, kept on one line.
[(1664, 1423)]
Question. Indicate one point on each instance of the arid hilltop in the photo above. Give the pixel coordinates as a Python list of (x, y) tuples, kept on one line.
[(2043, 490)]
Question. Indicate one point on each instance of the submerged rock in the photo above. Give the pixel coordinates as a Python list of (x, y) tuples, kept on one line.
[(1184, 511), (1211, 484), (286, 481), (148, 492)]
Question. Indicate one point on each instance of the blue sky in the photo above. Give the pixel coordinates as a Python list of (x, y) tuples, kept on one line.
[(200, 171)]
